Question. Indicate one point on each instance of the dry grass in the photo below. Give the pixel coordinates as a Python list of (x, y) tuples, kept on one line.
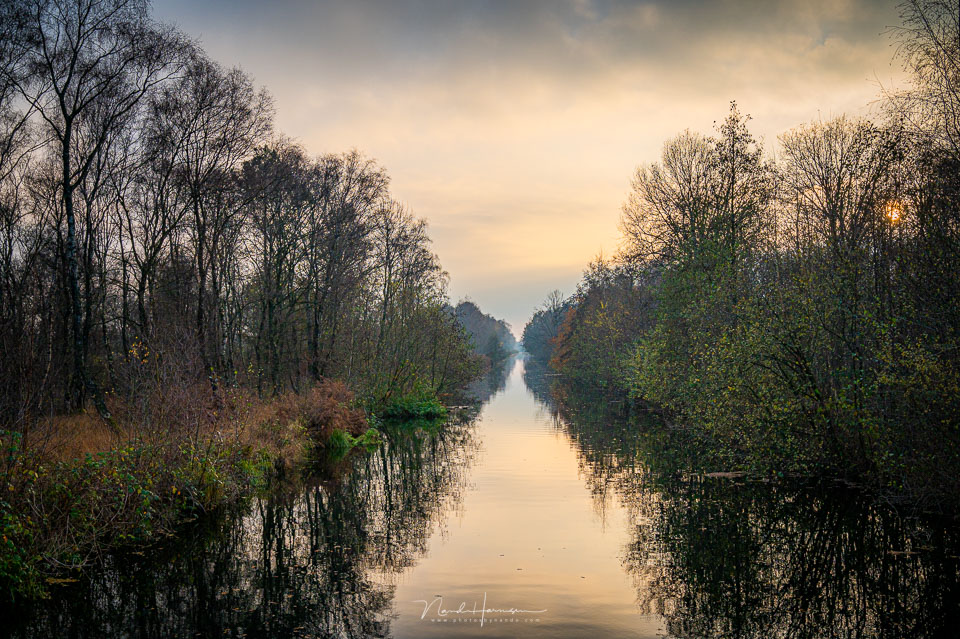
[(281, 424), (67, 437), (278, 425)]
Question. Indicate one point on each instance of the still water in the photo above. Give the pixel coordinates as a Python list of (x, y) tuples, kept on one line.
[(522, 520)]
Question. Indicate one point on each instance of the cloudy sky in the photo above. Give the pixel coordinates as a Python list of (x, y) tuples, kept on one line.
[(514, 126)]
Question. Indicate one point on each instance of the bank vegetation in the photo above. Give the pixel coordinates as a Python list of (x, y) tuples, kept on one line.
[(794, 309), (187, 297)]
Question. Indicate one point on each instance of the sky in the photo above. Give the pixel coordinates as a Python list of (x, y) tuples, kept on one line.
[(514, 127)]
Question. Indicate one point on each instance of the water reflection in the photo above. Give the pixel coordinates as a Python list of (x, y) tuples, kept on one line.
[(301, 563), (726, 557), (479, 393), (500, 506), (754, 560)]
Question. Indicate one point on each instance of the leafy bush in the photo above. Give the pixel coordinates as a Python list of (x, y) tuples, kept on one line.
[(341, 443), (418, 405)]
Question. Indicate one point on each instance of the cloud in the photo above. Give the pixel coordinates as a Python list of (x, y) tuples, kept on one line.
[(514, 127)]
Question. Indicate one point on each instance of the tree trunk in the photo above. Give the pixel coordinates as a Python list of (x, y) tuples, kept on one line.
[(83, 383)]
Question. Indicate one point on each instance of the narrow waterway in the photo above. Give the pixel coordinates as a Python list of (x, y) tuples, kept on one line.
[(521, 520), (531, 535)]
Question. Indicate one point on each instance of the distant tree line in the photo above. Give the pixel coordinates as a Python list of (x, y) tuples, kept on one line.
[(148, 206), (540, 332), (798, 314), (490, 337)]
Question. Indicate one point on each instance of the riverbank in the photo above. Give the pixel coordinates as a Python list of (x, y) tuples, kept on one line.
[(76, 486), (566, 508), (677, 445)]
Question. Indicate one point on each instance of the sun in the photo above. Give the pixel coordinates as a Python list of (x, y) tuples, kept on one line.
[(894, 211)]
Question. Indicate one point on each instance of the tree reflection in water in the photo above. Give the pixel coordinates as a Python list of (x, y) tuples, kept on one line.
[(317, 561), (728, 557)]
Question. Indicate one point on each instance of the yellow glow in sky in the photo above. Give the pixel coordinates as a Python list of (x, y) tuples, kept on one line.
[(515, 128)]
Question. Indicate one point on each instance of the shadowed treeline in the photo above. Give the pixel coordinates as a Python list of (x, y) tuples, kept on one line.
[(799, 313), (732, 557), (148, 204), (490, 337), (187, 298)]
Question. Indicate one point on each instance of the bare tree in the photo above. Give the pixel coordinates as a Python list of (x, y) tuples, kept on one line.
[(668, 205), (214, 119), (704, 189), (837, 171), (348, 189), (83, 67), (930, 48), (276, 186)]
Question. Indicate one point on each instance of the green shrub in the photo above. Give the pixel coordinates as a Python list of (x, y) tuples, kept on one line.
[(122, 496), (340, 442), (415, 406)]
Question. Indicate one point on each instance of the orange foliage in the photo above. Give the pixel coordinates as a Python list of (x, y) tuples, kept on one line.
[(198, 412)]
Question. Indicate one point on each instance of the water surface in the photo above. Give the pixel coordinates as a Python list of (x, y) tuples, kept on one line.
[(522, 520)]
